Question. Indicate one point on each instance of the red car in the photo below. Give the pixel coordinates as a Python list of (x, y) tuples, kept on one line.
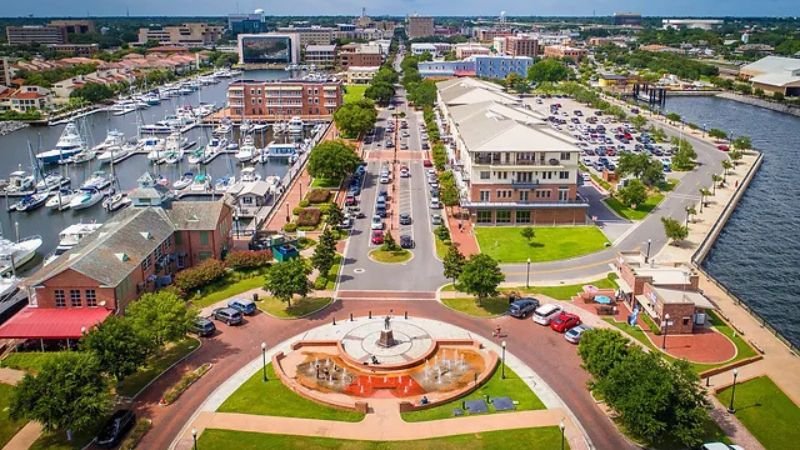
[(427, 163), (377, 237), (564, 322), (350, 200), (724, 148)]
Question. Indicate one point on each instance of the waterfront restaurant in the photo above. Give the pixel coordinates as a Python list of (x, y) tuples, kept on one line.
[(663, 291)]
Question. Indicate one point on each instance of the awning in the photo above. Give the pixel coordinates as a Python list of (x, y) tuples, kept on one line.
[(624, 286), (50, 323)]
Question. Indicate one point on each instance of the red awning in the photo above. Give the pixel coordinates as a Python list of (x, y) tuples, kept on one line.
[(49, 323)]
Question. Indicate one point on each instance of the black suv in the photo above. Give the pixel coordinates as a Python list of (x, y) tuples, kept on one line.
[(116, 427), (406, 241), (203, 327), (522, 307)]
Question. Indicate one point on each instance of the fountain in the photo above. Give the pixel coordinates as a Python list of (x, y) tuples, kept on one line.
[(387, 336)]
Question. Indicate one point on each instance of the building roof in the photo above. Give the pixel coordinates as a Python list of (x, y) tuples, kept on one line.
[(195, 215), (773, 70), (677, 296), (320, 48), (260, 187), (469, 90), (776, 79), (50, 323)]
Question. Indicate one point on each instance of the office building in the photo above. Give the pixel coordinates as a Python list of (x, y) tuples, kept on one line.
[(5, 71), (359, 55), (419, 27), (269, 49), (470, 49), (488, 34), (699, 24), (270, 100), (247, 23), (35, 34), (501, 66), (85, 50), (627, 19), (436, 49), (79, 26), (320, 55), (310, 35), (193, 35), (447, 69), (510, 167), (565, 51), (521, 45)]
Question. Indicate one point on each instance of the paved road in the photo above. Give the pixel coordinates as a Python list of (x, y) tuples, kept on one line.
[(546, 352)]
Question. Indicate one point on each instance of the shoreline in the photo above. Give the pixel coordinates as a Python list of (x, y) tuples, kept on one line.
[(759, 103)]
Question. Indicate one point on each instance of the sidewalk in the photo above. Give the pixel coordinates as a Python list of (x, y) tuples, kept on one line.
[(463, 238), (32, 430)]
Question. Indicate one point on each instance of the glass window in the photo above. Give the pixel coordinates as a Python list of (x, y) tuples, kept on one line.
[(502, 216), (484, 216), (563, 175), (91, 298), (523, 216), (204, 255), (147, 262), (204, 238), (75, 298), (485, 196), (61, 299)]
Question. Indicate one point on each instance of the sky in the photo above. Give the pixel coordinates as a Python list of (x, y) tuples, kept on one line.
[(12, 8)]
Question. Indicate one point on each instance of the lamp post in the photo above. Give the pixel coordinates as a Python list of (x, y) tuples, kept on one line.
[(528, 275), (647, 255), (503, 367), (194, 437), (562, 426), (731, 409), (264, 360), (288, 219), (665, 326)]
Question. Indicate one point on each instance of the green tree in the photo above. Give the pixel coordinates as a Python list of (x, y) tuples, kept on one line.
[(332, 160), (453, 263), (548, 70), (601, 350), (716, 133), (704, 194), (735, 156), (335, 214), (481, 276), (715, 180), (674, 230), (70, 393), (673, 117), (690, 211), (380, 92), (640, 166), (633, 194), (287, 279), (517, 83), (93, 92), (389, 244), (638, 121), (160, 317), (118, 347), (422, 94), (658, 134), (353, 119), (742, 143), (528, 233), (324, 252), (684, 158)]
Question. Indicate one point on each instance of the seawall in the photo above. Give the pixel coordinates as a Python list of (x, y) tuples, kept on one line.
[(778, 107)]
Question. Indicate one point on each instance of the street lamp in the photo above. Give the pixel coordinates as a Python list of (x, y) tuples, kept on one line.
[(528, 275), (731, 409), (665, 324), (264, 360), (647, 255), (503, 367), (194, 437), (562, 426), (288, 219)]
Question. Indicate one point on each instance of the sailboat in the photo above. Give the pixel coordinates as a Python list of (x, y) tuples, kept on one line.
[(173, 149)]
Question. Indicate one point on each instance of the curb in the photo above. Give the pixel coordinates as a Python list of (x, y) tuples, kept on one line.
[(333, 300), (184, 358)]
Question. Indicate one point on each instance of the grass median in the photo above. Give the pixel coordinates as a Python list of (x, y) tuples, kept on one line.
[(507, 245), (391, 256), (490, 307), (300, 307), (641, 210)]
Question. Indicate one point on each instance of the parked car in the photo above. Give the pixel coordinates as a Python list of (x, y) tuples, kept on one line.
[(243, 305), (574, 334), (377, 223), (377, 237), (380, 211), (385, 179), (564, 321), (522, 307), (720, 446), (405, 219), (427, 163), (544, 313), (228, 315), (350, 200), (435, 203), (203, 327), (116, 428), (405, 173), (723, 147), (406, 241), (346, 223)]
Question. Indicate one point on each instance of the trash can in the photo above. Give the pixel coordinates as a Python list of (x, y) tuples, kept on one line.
[(255, 296)]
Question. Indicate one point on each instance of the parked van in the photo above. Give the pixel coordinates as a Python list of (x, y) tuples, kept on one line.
[(545, 313)]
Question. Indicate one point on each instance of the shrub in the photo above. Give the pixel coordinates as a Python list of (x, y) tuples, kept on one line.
[(247, 259), (324, 208), (196, 277), (307, 228), (183, 384), (320, 283), (309, 217), (318, 196), (304, 203), (142, 427), (297, 210), (443, 233), (290, 227)]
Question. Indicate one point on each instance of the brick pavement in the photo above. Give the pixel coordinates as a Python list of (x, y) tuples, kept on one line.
[(463, 238)]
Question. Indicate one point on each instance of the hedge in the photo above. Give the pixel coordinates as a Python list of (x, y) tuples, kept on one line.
[(318, 196), (247, 259), (309, 217), (196, 277)]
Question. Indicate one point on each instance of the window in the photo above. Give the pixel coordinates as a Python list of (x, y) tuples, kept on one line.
[(484, 216), (178, 238), (91, 298), (547, 175), (147, 262), (204, 238), (204, 255), (158, 253), (502, 216), (523, 196), (523, 217), (563, 175), (565, 156), (61, 300), (543, 193), (563, 194), (75, 298), (485, 196)]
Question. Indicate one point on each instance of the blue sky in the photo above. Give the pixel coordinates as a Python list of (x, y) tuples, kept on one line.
[(13, 8)]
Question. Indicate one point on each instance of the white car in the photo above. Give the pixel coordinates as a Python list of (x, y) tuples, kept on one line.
[(545, 313), (384, 180), (435, 203), (377, 223), (574, 334)]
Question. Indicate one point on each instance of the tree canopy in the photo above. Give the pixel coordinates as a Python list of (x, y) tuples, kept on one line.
[(481, 276), (160, 317), (332, 160), (118, 347), (453, 263), (633, 194), (548, 70), (640, 166), (353, 119), (287, 279), (674, 230)]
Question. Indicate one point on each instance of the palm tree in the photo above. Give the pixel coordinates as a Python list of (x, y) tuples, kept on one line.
[(703, 194), (690, 211), (715, 179)]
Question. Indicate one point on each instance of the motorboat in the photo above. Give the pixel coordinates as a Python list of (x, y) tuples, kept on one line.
[(20, 181), (183, 181), (9, 285), (160, 127), (259, 126), (51, 181), (31, 202), (113, 138), (277, 150), (246, 127), (204, 109), (247, 151), (249, 175), (296, 125), (116, 153), (201, 183), (185, 90), (86, 198), (98, 180), (69, 144), (14, 255), (223, 128), (205, 155), (154, 148), (280, 128), (117, 201), (232, 146), (70, 237), (81, 157), (61, 200), (172, 157), (151, 98), (224, 183), (173, 149)]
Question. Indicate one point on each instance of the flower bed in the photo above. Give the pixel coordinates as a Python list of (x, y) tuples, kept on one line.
[(183, 384)]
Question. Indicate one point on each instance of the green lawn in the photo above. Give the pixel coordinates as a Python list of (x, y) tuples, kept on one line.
[(333, 274), (157, 364), (441, 247), (231, 285), (354, 92), (28, 361), (743, 349), (391, 257), (512, 386), (325, 183), (489, 307), (8, 427), (544, 438), (767, 412), (298, 308), (274, 399), (507, 245), (640, 212), (57, 440), (566, 291)]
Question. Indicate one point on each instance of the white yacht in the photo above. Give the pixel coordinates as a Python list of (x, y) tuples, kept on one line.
[(86, 198), (183, 181), (249, 175), (20, 181), (113, 138), (173, 149), (14, 255), (205, 155), (276, 150), (83, 156), (116, 201), (224, 183), (9, 285), (154, 148), (70, 143), (69, 238), (223, 128), (51, 181), (30, 202), (296, 125), (61, 200), (247, 151), (98, 180), (201, 183), (116, 153)]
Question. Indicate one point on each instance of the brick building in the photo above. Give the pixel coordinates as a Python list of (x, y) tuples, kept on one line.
[(565, 51), (75, 26), (522, 46), (189, 34), (359, 55), (35, 34), (470, 49), (284, 98), (320, 55), (419, 27)]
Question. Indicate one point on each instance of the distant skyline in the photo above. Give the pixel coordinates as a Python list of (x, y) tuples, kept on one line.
[(82, 8)]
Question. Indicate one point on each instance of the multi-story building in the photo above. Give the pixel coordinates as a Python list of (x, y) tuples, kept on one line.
[(565, 51), (360, 55), (501, 66), (488, 34), (75, 26), (699, 24), (75, 49), (522, 45), (247, 23), (136, 251), (447, 69), (284, 98), (419, 27), (320, 55), (627, 19), (360, 75), (35, 34), (470, 49), (269, 49), (436, 49), (510, 167), (25, 99), (5, 71), (311, 35), (192, 35)]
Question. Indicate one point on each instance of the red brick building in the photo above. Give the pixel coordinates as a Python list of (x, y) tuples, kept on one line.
[(285, 98), (359, 55), (522, 46), (565, 52)]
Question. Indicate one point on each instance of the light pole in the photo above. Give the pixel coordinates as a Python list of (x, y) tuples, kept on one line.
[(665, 324), (562, 426), (503, 367), (288, 219), (647, 255), (194, 437), (528, 275), (731, 409), (264, 360)]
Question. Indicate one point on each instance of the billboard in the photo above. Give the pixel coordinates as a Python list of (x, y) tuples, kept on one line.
[(266, 49)]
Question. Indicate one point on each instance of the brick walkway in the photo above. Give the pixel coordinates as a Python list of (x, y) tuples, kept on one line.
[(464, 239)]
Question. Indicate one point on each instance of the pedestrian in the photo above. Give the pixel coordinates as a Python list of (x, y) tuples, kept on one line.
[(736, 184), (459, 226), (496, 332)]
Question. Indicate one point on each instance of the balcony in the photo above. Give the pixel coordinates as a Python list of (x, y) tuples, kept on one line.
[(524, 184)]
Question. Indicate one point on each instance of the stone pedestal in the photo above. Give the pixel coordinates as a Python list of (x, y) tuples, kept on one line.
[(387, 339)]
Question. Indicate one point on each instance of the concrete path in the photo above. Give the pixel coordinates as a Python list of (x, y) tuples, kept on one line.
[(25, 438), (10, 376)]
